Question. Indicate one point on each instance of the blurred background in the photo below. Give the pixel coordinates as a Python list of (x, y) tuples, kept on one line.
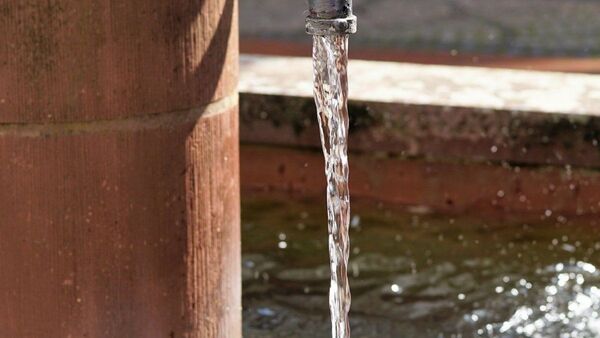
[(475, 191), (534, 34)]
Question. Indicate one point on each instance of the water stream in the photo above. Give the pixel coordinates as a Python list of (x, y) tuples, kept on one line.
[(330, 59)]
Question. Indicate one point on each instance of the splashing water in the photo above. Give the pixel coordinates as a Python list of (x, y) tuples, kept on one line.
[(330, 59), (566, 307)]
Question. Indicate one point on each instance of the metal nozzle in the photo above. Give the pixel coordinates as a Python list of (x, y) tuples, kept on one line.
[(328, 17)]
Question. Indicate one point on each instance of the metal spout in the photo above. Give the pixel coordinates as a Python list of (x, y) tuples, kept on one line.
[(327, 17)]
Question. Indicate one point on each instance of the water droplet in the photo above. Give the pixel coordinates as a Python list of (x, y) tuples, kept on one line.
[(265, 311), (551, 290), (396, 288), (355, 222)]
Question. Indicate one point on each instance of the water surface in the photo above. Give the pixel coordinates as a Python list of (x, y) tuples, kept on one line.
[(420, 275)]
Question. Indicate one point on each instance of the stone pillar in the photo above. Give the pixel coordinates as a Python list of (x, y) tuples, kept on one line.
[(119, 188)]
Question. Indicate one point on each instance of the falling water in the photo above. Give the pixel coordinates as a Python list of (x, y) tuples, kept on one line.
[(330, 59)]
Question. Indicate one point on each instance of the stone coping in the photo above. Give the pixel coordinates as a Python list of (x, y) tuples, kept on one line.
[(437, 112)]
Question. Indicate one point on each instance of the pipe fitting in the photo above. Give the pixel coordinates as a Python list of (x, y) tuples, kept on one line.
[(328, 17)]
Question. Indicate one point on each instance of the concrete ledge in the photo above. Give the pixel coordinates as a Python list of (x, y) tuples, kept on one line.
[(434, 112)]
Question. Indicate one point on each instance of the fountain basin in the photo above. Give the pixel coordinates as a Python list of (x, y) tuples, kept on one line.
[(474, 202), (453, 139)]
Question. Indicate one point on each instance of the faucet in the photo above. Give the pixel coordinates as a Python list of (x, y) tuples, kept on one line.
[(328, 17)]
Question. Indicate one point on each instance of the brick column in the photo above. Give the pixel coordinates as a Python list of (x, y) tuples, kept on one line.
[(119, 188)]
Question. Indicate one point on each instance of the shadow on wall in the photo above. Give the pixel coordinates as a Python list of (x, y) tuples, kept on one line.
[(72, 61), (189, 34)]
